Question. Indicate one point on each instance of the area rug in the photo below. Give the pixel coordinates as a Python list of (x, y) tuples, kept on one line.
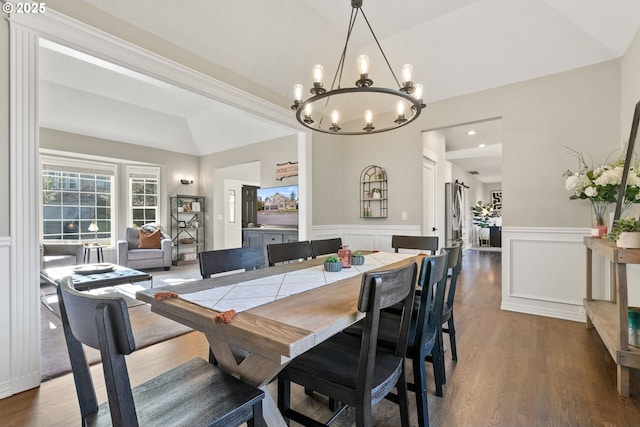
[(148, 328)]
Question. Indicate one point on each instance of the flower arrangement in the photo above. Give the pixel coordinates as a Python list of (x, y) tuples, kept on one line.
[(482, 214), (600, 185)]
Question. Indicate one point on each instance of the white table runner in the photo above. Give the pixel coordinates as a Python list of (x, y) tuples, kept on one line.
[(246, 295)]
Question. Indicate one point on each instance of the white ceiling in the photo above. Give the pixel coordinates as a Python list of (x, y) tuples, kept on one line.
[(456, 47)]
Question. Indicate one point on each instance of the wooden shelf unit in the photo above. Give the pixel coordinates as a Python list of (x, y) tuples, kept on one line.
[(609, 318)]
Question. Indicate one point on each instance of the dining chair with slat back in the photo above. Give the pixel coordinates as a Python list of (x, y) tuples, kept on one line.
[(454, 266), (291, 251), (224, 260), (195, 393), (423, 333), (356, 370), (425, 243), (325, 246)]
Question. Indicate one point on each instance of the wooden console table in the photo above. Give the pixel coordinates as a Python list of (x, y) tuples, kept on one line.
[(610, 317)]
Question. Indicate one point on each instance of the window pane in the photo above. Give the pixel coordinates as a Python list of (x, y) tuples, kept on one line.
[(150, 201), (52, 227), (137, 187), (51, 212), (69, 198), (70, 213), (137, 200), (151, 187), (138, 214), (88, 185), (51, 197)]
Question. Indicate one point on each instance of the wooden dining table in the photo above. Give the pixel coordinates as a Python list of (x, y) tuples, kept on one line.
[(270, 335)]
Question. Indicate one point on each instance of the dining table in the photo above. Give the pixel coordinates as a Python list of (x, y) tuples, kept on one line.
[(280, 312)]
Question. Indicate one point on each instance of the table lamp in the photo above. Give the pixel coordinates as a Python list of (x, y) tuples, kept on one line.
[(94, 227)]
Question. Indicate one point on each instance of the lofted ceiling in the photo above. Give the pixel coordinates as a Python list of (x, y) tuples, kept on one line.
[(455, 46)]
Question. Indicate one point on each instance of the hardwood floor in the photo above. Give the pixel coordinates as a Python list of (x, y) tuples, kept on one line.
[(513, 370)]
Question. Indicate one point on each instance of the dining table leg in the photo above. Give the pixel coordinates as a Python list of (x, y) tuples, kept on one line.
[(253, 369)]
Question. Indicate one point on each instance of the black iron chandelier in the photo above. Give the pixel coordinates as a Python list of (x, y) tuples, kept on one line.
[(321, 112)]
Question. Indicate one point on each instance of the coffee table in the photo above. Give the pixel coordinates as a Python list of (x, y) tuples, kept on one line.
[(92, 276)]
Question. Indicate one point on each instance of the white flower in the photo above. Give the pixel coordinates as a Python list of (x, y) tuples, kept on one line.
[(590, 191), (610, 176)]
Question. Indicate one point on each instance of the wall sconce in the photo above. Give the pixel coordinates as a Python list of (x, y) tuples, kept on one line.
[(186, 181)]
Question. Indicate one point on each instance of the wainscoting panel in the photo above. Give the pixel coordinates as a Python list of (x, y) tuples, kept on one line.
[(5, 318), (544, 271), (363, 237)]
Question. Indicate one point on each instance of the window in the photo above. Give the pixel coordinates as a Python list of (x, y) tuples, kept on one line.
[(77, 200), (144, 195)]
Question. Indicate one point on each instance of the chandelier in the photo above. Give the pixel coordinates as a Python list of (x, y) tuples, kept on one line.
[(321, 112)]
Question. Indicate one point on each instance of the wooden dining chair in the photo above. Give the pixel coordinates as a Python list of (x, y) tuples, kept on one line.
[(325, 246), (454, 266), (291, 251), (425, 243), (195, 393), (356, 371), (424, 333), (223, 260)]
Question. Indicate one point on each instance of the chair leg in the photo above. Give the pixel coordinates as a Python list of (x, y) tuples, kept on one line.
[(257, 420), (284, 397), (420, 390), (403, 398), (452, 338), (438, 365)]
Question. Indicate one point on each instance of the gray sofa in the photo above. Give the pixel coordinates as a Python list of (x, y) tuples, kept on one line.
[(61, 254), (140, 259)]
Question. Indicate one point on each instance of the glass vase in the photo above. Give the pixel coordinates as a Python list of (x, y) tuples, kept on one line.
[(344, 253), (599, 228)]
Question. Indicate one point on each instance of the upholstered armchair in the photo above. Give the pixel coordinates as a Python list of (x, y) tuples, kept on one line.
[(61, 254), (131, 255)]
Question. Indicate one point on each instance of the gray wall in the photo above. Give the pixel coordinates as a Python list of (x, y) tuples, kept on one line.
[(578, 108)]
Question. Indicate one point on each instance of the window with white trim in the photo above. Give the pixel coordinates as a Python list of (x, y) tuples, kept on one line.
[(77, 200), (144, 195)]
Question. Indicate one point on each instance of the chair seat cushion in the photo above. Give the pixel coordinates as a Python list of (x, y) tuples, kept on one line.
[(335, 361), (141, 254), (159, 402)]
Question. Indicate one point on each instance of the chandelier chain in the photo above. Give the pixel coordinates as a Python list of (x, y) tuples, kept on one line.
[(380, 47)]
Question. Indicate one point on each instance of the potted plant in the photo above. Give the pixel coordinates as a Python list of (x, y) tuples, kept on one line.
[(333, 263), (180, 205), (625, 232), (357, 258)]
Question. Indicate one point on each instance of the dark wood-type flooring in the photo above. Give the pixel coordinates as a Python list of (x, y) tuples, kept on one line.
[(513, 370)]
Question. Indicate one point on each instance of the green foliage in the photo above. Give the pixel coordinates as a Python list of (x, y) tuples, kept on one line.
[(482, 212), (333, 258), (623, 225), (356, 253)]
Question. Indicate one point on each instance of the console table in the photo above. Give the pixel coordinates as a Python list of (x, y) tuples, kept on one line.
[(609, 318)]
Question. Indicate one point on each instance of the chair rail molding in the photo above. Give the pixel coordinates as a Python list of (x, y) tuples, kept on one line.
[(544, 271)]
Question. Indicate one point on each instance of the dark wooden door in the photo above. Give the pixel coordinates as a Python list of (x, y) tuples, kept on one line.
[(249, 205)]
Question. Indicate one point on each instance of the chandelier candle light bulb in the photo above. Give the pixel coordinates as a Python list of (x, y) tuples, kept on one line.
[(400, 108), (335, 118), (368, 121), (407, 73)]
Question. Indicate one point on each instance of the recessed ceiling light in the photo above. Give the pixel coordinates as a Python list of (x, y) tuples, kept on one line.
[(471, 132), (482, 145)]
